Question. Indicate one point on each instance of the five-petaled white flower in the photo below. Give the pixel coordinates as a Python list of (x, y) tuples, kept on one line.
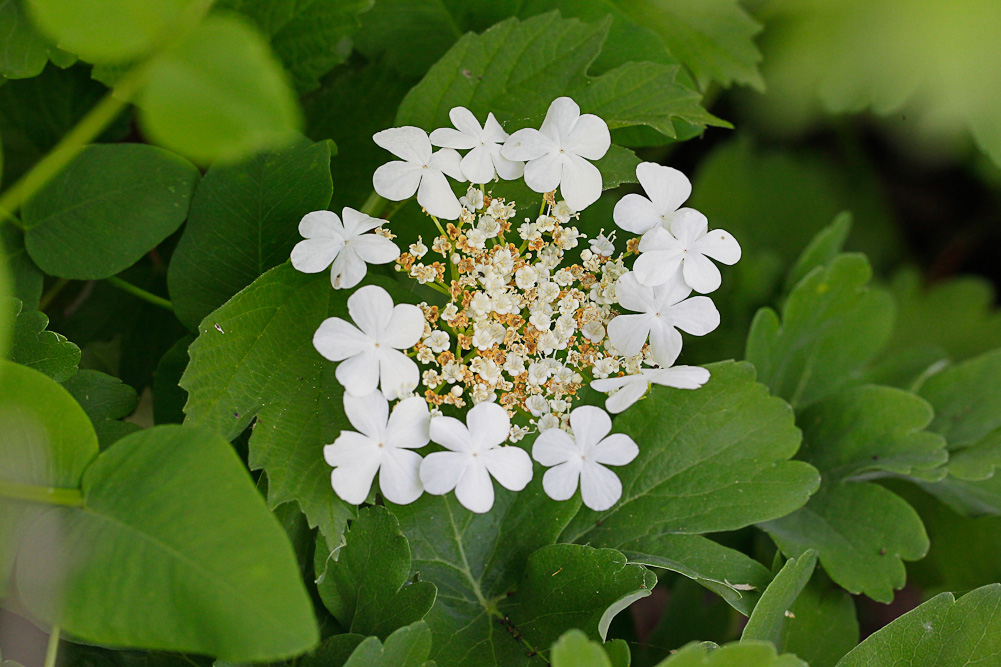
[(580, 458), (346, 246), (382, 444), (474, 455), (662, 311), (556, 153), (484, 159), (418, 170), (630, 388), (666, 189), (370, 352), (685, 248)]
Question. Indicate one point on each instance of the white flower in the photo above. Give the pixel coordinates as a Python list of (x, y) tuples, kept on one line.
[(480, 163), (666, 189), (369, 350), (548, 422), (438, 341), (593, 331), (687, 246), (556, 153), (602, 245), (578, 458), (346, 246), (474, 456), (625, 390), (419, 171), (537, 405), (383, 444), (663, 310)]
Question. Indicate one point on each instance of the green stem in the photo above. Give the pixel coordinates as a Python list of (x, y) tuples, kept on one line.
[(374, 205), (41, 494), (52, 293), (140, 293), (438, 225), (53, 648)]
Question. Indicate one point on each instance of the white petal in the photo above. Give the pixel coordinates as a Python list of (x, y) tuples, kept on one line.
[(407, 143), (657, 267), (397, 180), (720, 245), (489, 425), (554, 446), (606, 385), (581, 183), (449, 138), (440, 471), (450, 433), (371, 307), (347, 270), (368, 414), (617, 449), (356, 461), (543, 174), (629, 394), (405, 327), (315, 254), (600, 488), (447, 161), (563, 112), (351, 449), (688, 226), (465, 121), (659, 238), (697, 316), (560, 482), (475, 490), (436, 196), (477, 166), (667, 187), (590, 425), (507, 169), (359, 375), (527, 144), (635, 213), (399, 476), (356, 222), (631, 295), (665, 343), (629, 332), (492, 130), (675, 290), (679, 377), (374, 249), (700, 273), (510, 466), (321, 224), (589, 137), (337, 340), (409, 424), (398, 374)]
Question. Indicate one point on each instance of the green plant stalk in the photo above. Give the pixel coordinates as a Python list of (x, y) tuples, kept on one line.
[(141, 293), (52, 650), (41, 494)]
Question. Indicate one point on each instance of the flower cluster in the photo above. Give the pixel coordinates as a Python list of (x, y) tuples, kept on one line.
[(530, 313)]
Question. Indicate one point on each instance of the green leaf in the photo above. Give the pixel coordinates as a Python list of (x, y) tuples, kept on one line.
[(254, 357), (122, 30), (822, 626), (832, 325), (943, 632), (243, 221), (25, 52), (219, 93), (310, 37), (574, 649), (768, 620), (822, 250), (33, 345), (333, 651), (703, 454), (171, 524), (737, 578), (407, 647), (168, 396), (366, 588), (745, 654), (106, 400), (26, 278), (713, 39), (110, 206)]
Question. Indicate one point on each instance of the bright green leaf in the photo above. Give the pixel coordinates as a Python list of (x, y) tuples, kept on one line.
[(768, 620), (219, 93), (407, 647), (33, 345), (364, 582), (171, 524), (243, 221), (745, 654), (110, 206), (574, 649), (333, 651), (26, 278), (24, 51), (943, 632), (822, 250), (822, 626), (106, 400)]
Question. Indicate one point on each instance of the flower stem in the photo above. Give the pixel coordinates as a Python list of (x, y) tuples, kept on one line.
[(41, 494), (52, 650), (438, 225), (373, 205), (140, 293)]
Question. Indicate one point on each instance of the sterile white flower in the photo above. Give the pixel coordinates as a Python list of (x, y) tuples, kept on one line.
[(630, 388), (382, 444), (666, 189), (557, 153), (418, 170), (582, 457), (369, 349), (346, 246), (686, 247), (485, 159), (474, 456), (662, 311)]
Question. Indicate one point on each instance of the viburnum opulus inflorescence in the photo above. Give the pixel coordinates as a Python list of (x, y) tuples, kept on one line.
[(530, 313)]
